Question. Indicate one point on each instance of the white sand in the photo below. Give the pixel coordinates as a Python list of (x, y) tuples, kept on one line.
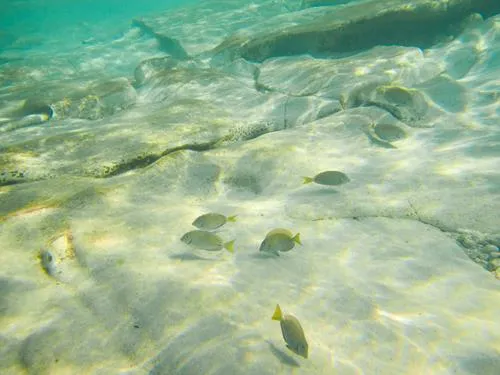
[(380, 285)]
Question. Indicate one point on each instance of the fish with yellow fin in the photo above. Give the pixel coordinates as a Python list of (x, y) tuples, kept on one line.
[(201, 239), (279, 239), (212, 221), (292, 331), (328, 178)]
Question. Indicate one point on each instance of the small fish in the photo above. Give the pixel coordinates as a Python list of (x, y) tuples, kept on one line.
[(279, 240), (330, 178), (212, 221), (48, 262), (292, 331), (201, 239)]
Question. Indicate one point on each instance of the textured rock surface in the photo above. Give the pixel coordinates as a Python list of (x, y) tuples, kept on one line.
[(384, 281), (320, 3), (355, 27)]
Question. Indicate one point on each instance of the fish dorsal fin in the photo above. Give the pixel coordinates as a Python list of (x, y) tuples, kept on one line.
[(281, 231)]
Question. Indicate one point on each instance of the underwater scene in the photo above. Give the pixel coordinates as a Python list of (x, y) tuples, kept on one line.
[(266, 187)]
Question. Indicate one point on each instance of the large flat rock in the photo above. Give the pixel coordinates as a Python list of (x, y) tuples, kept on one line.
[(353, 27), (398, 271), (204, 25), (373, 275)]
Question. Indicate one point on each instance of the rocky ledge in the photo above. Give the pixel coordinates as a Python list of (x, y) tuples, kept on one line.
[(354, 27)]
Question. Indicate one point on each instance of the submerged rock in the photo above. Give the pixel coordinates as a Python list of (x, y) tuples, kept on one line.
[(92, 100), (389, 132), (383, 134), (155, 67), (101, 99), (165, 43), (357, 26), (28, 113), (407, 105), (321, 3), (149, 68)]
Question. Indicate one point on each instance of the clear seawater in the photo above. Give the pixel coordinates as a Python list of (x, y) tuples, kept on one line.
[(56, 17), (114, 138)]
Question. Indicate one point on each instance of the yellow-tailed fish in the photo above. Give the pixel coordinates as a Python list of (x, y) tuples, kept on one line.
[(330, 178), (201, 239), (292, 331), (279, 240), (212, 221)]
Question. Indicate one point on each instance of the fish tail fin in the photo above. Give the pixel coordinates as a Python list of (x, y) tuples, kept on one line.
[(296, 238), (278, 315), (232, 218), (229, 246), (307, 180)]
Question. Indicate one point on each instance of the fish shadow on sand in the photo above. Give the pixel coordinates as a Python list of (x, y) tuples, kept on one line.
[(189, 256), (315, 192), (282, 356), (263, 255)]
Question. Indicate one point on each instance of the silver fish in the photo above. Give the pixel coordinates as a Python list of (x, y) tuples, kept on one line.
[(201, 239), (212, 221), (292, 331), (279, 240), (329, 178)]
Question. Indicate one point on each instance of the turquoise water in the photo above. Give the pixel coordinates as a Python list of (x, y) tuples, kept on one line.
[(346, 151), (30, 24), (55, 16)]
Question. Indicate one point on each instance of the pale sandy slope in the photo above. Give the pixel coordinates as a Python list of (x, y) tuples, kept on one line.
[(380, 285)]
